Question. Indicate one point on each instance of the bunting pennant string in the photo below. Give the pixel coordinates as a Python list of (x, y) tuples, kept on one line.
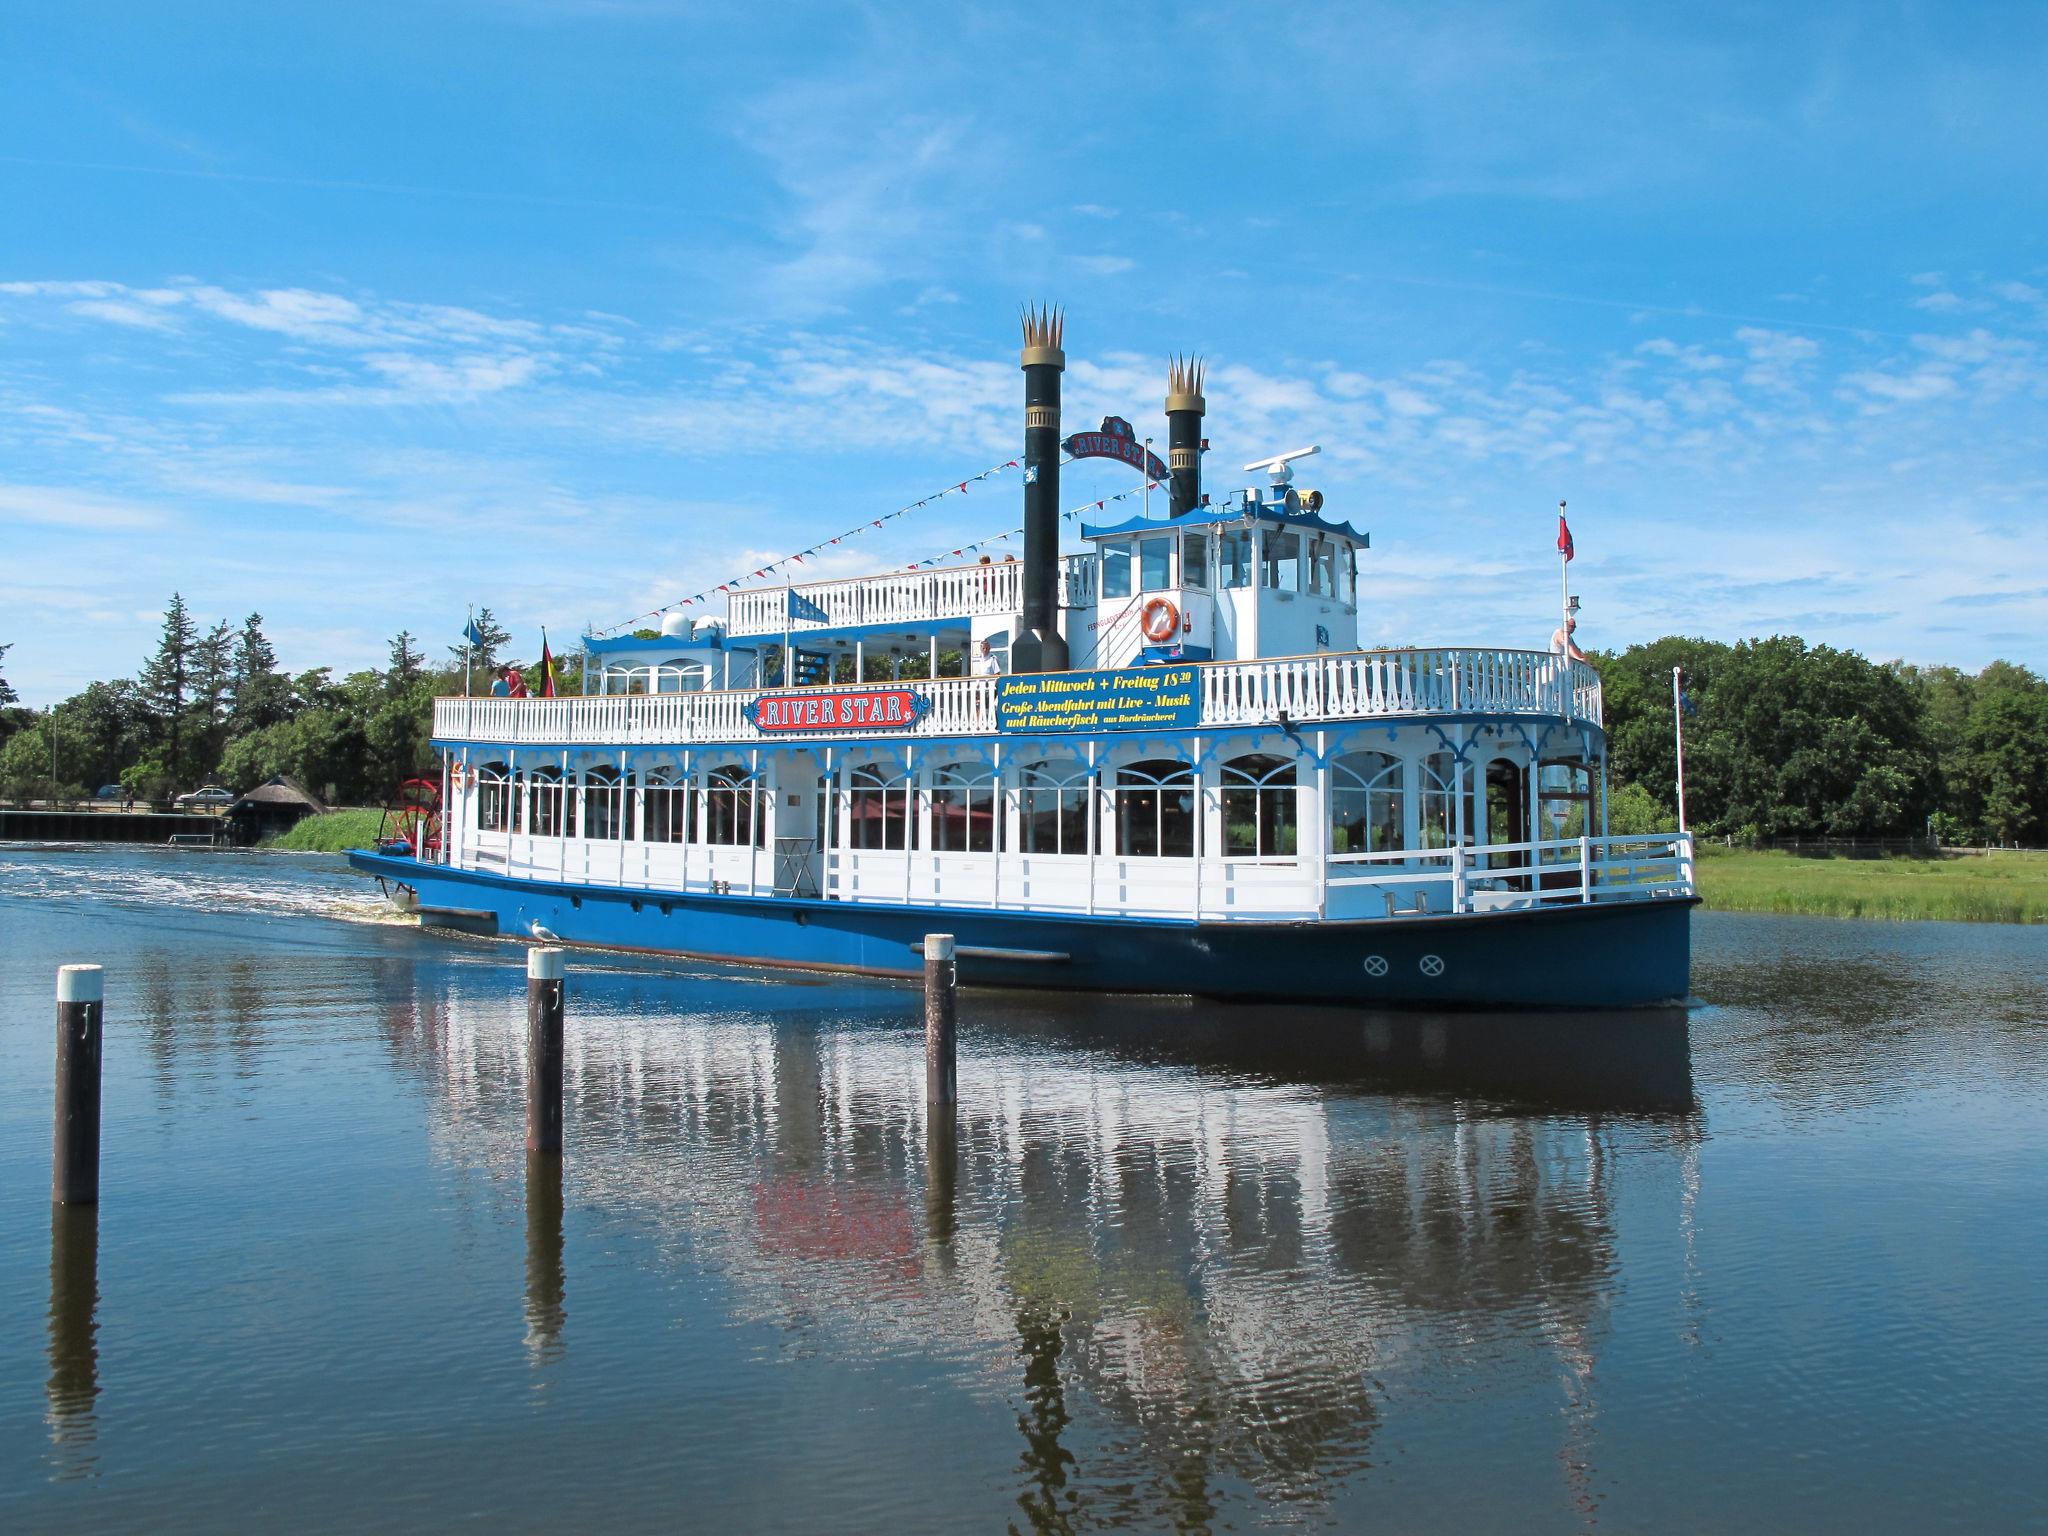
[(999, 538), (958, 488)]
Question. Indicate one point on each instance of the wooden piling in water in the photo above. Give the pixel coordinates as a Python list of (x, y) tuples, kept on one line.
[(75, 1140), (544, 972), (941, 980)]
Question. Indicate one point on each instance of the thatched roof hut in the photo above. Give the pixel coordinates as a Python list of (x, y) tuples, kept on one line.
[(273, 807)]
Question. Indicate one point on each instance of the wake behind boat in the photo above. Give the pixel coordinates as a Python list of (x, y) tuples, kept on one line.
[(1167, 766)]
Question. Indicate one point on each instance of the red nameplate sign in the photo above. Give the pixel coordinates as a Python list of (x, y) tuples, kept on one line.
[(865, 709)]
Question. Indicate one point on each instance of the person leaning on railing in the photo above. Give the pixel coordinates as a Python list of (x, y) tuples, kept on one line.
[(1562, 643)]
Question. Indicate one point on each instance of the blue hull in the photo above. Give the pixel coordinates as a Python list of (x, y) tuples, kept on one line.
[(1622, 955)]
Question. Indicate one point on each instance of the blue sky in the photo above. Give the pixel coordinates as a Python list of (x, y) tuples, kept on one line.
[(355, 315)]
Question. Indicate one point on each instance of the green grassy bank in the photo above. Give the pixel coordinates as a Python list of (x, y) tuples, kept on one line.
[(330, 833), (1987, 888)]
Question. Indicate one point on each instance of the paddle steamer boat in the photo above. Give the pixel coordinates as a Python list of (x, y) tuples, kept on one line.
[(1187, 777)]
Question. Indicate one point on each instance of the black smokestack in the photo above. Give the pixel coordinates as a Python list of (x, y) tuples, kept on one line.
[(1184, 408), (1038, 645)]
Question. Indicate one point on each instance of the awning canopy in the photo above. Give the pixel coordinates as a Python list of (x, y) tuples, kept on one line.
[(1206, 517)]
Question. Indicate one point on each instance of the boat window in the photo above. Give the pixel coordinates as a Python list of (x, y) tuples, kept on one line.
[(1366, 811), (731, 807), (607, 794), (1348, 575), (1234, 558), (1194, 560), (671, 807), (554, 804), (1280, 564), (878, 809), (966, 810), (1322, 569), (1155, 564), (1259, 807), (494, 788), (1155, 810), (1116, 570), (1436, 785), (1052, 800)]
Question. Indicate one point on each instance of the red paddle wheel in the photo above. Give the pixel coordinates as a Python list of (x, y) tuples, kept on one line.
[(412, 821)]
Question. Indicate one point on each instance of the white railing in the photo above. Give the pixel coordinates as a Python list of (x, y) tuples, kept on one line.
[(1568, 870), (1356, 685), (960, 591)]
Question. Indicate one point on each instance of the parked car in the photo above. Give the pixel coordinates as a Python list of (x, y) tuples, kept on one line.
[(212, 795), (110, 792)]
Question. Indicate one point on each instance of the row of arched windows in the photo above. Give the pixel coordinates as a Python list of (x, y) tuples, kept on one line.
[(544, 801), (1152, 806)]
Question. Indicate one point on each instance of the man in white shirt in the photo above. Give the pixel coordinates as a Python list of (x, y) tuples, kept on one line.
[(1562, 643), (986, 663)]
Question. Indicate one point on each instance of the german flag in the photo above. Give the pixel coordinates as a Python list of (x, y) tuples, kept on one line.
[(547, 668)]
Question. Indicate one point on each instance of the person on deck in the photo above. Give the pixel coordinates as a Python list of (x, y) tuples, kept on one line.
[(986, 662), (1562, 643), (516, 683), (501, 688)]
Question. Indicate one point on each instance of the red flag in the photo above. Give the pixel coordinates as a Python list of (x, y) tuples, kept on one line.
[(1564, 537)]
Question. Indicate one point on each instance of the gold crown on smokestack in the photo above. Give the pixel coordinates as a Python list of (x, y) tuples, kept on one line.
[(1184, 385), (1045, 329)]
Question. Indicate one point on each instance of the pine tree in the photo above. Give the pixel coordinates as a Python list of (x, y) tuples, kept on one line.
[(407, 663), (258, 696), (7, 694), (212, 681), (167, 685)]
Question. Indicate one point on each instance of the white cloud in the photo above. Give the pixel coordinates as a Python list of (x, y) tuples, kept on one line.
[(65, 507)]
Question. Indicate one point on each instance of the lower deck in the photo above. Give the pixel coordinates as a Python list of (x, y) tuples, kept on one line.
[(1357, 822)]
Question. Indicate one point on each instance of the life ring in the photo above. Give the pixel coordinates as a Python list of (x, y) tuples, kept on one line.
[(1160, 620)]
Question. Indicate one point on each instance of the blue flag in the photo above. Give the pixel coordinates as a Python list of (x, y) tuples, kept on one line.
[(801, 607), (472, 634)]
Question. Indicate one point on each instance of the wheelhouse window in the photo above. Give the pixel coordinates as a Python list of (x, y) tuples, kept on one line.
[(671, 807), (1234, 558), (1366, 804), (1052, 801), (1194, 560), (732, 809), (607, 798), (554, 804), (1259, 804), (1155, 809), (878, 809), (1155, 564), (1436, 781), (966, 809), (496, 792), (1280, 565), (1116, 570), (1322, 568)]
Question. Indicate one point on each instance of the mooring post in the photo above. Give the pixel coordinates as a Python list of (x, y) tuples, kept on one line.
[(941, 978), (75, 1149), (544, 1050)]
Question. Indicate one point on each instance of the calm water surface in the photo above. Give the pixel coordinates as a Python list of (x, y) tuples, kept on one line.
[(1775, 1266)]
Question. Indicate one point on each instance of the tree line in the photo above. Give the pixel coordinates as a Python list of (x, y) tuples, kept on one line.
[(1783, 739), (211, 706)]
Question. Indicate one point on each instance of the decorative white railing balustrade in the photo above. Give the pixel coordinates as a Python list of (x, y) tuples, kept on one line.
[(961, 591), (1306, 689)]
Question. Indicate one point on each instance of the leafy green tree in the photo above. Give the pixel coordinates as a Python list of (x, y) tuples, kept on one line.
[(166, 684), (2003, 775)]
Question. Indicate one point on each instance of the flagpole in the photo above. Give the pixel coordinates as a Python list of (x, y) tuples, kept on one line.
[(1678, 733), (467, 630), (1564, 591)]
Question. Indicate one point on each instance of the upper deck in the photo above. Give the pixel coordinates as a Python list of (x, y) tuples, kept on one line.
[(1307, 690)]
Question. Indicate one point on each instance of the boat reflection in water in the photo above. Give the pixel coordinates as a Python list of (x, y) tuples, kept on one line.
[(1187, 1246)]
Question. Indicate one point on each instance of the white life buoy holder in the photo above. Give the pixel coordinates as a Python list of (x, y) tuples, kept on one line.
[(1160, 620)]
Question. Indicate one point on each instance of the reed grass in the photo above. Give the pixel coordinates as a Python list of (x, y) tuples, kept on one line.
[(330, 833), (1964, 888)]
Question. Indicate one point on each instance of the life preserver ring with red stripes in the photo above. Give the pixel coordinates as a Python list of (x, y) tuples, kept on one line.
[(1160, 620)]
